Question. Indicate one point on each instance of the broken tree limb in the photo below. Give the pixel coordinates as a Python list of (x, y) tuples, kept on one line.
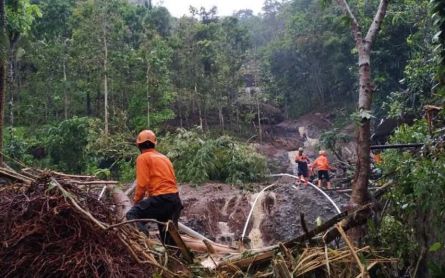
[(209, 246), (396, 146), (363, 271), (280, 269), (97, 182), (264, 257), (171, 228), (15, 176), (304, 226)]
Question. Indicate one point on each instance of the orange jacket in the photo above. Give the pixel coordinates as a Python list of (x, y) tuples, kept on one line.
[(154, 175), (321, 163), (377, 158), (302, 158)]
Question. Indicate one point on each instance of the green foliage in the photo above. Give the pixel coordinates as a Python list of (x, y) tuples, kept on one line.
[(396, 238), (418, 197), (17, 145), (115, 154), (67, 143), (21, 15), (198, 158)]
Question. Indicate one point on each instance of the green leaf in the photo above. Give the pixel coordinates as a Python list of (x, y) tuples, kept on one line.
[(435, 247)]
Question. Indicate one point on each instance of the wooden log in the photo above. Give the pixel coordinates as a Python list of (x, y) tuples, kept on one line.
[(96, 182), (15, 176), (245, 263), (198, 245), (209, 246), (171, 228)]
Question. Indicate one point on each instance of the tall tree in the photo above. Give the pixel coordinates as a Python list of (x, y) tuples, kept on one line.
[(366, 88), (21, 15), (3, 49)]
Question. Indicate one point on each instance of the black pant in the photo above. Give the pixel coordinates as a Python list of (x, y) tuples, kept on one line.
[(162, 208), (323, 174)]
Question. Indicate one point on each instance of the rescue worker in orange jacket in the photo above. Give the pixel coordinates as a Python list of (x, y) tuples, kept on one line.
[(156, 179), (302, 164), (322, 165)]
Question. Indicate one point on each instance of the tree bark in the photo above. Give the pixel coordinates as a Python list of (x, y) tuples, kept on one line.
[(105, 79), (65, 92), (2, 74), (147, 76), (360, 195), (260, 130)]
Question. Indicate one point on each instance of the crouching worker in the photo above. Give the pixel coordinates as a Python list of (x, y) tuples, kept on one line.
[(322, 165), (156, 179)]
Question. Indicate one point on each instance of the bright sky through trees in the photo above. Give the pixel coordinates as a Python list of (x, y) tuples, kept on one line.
[(225, 7)]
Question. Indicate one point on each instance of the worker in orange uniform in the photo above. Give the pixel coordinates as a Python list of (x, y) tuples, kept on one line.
[(155, 177), (322, 165), (302, 164)]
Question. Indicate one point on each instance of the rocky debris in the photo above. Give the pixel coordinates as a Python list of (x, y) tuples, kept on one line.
[(283, 217), (217, 211), (220, 211)]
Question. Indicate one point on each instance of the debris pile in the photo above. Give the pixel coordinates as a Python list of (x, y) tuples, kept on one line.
[(58, 225), (50, 227)]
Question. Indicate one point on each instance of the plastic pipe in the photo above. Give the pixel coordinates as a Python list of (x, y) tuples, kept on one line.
[(313, 185), (253, 206), (183, 228), (275, 184)]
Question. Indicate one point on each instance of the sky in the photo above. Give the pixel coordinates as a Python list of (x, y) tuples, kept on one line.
[(225, 7)]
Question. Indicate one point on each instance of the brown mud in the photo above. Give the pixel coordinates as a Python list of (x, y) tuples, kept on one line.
[(220, 211)]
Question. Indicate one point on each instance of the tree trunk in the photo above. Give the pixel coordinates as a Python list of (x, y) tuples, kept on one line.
[(105, 80), (10, 85), (360, 194), (147, 76), (65, 92), (2, 74), (260, 131)]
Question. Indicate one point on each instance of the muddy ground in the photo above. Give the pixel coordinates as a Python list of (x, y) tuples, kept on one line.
[(219, 211)]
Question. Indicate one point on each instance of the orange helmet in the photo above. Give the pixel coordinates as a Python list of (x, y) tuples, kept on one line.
[(146, 135)]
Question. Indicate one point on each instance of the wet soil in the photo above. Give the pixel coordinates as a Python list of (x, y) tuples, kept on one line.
[(219, 211)]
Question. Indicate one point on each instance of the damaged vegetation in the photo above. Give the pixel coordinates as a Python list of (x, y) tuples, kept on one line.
[(55, 225), (231, 97)]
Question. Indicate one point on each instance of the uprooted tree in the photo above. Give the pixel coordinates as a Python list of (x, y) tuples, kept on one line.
[(363, 45)]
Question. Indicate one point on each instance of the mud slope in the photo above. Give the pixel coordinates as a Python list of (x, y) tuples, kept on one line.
[(220, 211)]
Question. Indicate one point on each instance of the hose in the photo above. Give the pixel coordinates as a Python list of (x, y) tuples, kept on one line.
[(275, 184), (314, 186), (253, 206)]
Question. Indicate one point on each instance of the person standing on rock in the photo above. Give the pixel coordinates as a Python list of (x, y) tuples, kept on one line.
[(322, 165), (302, 161), (156, 179)]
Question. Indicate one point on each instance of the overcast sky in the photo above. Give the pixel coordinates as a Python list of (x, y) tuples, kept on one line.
[(225, 7)]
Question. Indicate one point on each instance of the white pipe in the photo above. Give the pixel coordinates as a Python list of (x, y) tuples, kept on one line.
[(102, 192), (272, 185), (183, 228), (313, 185), (253, 206)]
